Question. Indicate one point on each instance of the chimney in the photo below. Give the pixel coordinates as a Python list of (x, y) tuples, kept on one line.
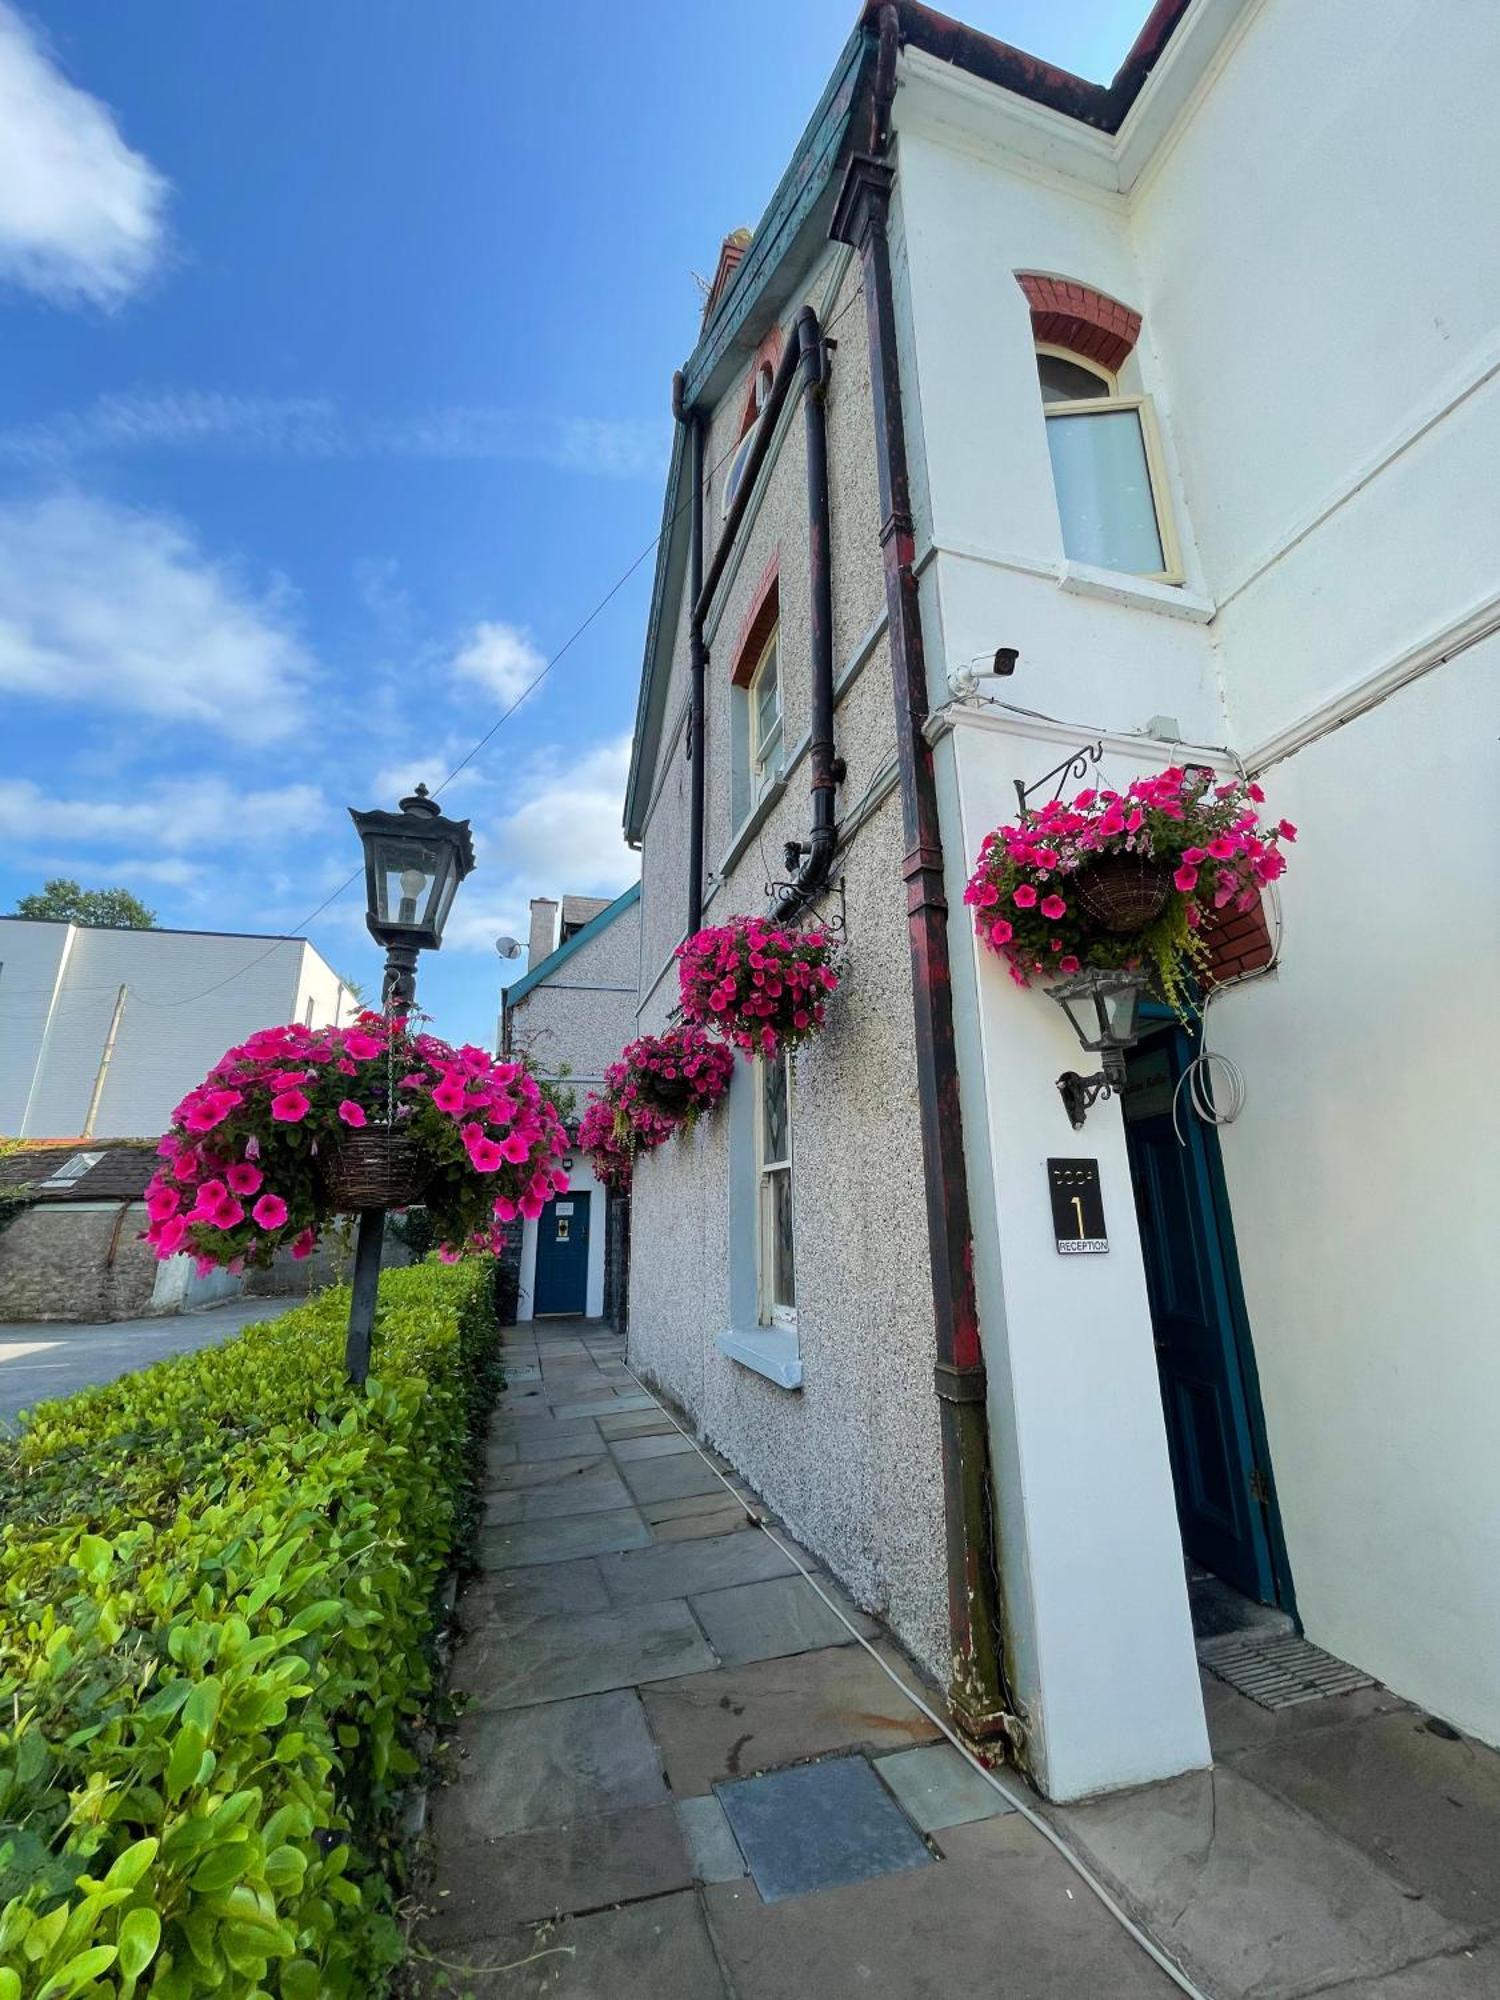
[(543, 940)]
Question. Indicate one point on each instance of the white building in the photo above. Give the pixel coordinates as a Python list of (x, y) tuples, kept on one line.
[(1246, 273), (571, 1014), (104, 1031)]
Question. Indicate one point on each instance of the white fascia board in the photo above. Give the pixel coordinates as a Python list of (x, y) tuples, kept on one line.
[(936, 96)]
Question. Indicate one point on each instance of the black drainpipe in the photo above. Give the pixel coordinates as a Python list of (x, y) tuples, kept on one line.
[(806, 354), (697, 657), (978, 1694)]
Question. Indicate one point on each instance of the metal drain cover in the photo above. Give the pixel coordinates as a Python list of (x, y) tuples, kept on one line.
[(1278, 1671)]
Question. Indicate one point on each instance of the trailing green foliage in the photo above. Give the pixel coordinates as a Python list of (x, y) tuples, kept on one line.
[(217, 1583)]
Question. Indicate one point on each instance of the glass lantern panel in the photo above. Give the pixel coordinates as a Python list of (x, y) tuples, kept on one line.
[(1120, 1007), (407, 873), (1083, 1012)]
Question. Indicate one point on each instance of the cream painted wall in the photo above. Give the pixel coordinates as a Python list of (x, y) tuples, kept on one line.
[(1322, 339)]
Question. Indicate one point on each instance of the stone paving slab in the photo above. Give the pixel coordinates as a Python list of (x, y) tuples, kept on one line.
[(1422, 1805), (556, 1870), (589, 1492), (1006, 1919), (721, 1518), (533, 1445), (766, 1621), (524, 1767), (656, 1950), (1465, 1975), (498, 1667), (740, 1720), (601, 1406), (561, 1541), (710, 1839), (716, 1564), (672, 1478), (1248, 1893), (938, 1788), (516, 1598), (636, 1423), (819, 1826), (548, 1471), (653, 1444)]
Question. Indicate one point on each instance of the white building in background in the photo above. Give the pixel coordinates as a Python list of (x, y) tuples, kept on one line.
[(571, 1015), (104, 1031), (1197, 377)]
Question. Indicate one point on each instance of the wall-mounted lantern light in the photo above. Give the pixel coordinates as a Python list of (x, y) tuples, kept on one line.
[(1103, 1007)]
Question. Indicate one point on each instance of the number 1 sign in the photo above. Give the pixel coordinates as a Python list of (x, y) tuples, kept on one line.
[(1077, 1207)]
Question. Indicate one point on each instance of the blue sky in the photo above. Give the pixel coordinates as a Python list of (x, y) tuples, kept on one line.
[(337, 347)]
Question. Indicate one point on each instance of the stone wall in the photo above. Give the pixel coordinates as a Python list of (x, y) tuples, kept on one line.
[(76, 1261)]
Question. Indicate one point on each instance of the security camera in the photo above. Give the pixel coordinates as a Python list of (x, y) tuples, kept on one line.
[(1005, 661)]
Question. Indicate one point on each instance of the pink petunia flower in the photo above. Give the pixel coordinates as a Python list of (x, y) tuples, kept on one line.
[(352, 1113), (304, 1245), (1054, 907), (227, 1214), (1185, 879), (270, 1211), (363, 1048), (243, 1178), (168, 1237), (163, 1204), (1024, 897), (449, 1096), (485, 1156), (1067, 965), (290, 1107)]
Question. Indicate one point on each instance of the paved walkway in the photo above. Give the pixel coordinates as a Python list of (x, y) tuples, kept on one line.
[(40, 1359), (681, 1776)]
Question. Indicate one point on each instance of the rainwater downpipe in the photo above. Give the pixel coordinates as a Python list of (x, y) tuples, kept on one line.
[(978, 1692), (805, 355)]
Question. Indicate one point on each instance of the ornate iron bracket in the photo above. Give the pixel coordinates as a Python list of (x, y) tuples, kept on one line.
[(837, 923), (1077, 765), (1081, 1093)]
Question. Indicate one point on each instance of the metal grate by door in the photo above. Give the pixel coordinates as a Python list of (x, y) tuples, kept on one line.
[(1278, 1670)]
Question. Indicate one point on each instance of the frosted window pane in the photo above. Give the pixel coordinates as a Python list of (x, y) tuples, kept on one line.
[(1104, 491)]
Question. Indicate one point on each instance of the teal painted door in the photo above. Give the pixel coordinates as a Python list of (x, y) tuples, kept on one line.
[(1205, 1394), (562, 1255)]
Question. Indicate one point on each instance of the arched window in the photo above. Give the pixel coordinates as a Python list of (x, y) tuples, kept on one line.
[(760, 395), (1106, 467)]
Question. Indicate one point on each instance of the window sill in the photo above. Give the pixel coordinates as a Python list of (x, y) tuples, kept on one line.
[(1115, 587), (767, 1350)]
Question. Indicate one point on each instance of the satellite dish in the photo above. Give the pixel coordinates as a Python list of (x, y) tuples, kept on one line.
[(508, 947)]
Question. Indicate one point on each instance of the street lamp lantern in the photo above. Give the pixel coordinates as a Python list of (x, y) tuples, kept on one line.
[(1103, 1007), (414, 862)]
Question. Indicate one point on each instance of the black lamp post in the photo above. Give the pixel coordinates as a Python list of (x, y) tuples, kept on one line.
[(414, 862), (1103, 1007)]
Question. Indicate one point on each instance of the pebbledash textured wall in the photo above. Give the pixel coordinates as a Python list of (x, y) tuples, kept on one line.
[(582, 1016), (851, 1460)]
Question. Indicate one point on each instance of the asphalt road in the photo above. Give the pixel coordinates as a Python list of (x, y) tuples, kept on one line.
[(43, 1358)]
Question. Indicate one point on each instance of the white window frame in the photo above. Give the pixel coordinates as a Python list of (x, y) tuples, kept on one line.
[(1108, 402), (765, 746), (770, 1311)]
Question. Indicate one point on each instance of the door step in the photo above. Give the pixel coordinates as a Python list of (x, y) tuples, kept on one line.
[(1278, 1670), (1219, 1609)]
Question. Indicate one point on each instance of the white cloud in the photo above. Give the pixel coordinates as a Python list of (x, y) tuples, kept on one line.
[(313, 427), (122, 610), (562, 837), (184, 816), (80, 213), (499, 658)]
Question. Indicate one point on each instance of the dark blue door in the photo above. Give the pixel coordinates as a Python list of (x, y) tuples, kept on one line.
[(1221, 1496), (562, 1255)]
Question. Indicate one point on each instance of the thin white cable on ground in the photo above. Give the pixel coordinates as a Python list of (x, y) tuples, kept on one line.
[(1033, 1818)]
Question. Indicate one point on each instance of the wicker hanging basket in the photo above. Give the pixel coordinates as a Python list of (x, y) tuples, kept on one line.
[(375, 1168), (1122, 893)]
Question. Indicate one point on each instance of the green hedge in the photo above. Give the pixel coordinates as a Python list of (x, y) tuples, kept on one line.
[(217, 1583)]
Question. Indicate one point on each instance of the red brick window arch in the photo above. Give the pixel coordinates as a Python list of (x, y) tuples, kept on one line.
[(757, 394), (1107, 464)]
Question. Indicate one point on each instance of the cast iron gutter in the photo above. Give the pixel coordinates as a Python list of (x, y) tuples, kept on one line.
[(977, 1694)]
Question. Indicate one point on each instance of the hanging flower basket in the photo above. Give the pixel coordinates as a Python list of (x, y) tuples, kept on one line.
[(298, 1125), (1124, 878), (1122, 893), (376, 1168), (660, 1085), (761, 987)]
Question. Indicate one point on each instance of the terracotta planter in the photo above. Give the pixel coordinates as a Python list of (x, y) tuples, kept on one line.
[(375, 1168), (1122, 893)]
